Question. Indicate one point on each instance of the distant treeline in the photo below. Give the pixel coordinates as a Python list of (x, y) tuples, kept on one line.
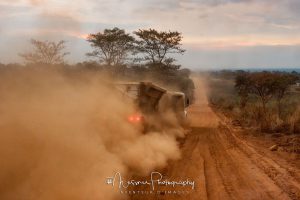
[(145, 55)]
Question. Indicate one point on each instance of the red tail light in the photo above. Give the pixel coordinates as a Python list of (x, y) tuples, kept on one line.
[(135, 118)]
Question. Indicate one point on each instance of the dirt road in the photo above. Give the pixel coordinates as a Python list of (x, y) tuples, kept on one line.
[(225, 167)]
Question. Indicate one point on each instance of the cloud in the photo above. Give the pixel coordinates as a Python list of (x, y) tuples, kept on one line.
[(237, 42), (216, 2), (280, 56), (205, 24), (36, 2), (58, 21)]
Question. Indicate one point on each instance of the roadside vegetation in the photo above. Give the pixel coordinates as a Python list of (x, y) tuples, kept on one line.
[(266, 101), (144, 55), (262, 106)]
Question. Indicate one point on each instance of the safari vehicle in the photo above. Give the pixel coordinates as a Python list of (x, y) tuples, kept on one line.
[(152, 101), (178, 104)]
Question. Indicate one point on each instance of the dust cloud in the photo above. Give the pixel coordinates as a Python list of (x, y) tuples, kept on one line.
[(208, 118), (62, 135)]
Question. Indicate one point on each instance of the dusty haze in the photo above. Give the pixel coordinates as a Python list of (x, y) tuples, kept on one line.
[(61, 136)]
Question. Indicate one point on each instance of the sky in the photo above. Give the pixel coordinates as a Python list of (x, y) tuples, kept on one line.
[(216, 33)]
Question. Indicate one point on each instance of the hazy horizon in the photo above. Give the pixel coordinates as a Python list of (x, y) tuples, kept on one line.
[(216, 33)]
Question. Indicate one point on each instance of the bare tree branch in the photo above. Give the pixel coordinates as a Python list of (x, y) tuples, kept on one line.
[(46, 52)]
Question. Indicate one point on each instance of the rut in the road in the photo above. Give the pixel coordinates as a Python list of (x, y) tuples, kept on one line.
[(229, 174)]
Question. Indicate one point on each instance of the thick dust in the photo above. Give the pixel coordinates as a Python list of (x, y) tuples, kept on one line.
[(61, 136), (207, 118)]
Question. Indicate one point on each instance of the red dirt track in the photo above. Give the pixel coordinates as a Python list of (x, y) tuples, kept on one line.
[(224, 166)]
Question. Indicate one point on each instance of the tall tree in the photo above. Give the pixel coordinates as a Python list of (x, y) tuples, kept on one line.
[(243, 86), (156, 46), (111, 47), (282, 83), (46, 52), (263, 84)]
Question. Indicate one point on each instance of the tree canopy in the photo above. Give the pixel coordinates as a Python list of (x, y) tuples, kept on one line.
[(111, 46), (157, 45), (265, 85)]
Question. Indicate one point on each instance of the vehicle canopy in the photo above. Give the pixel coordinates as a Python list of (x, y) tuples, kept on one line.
[(145, 94)]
